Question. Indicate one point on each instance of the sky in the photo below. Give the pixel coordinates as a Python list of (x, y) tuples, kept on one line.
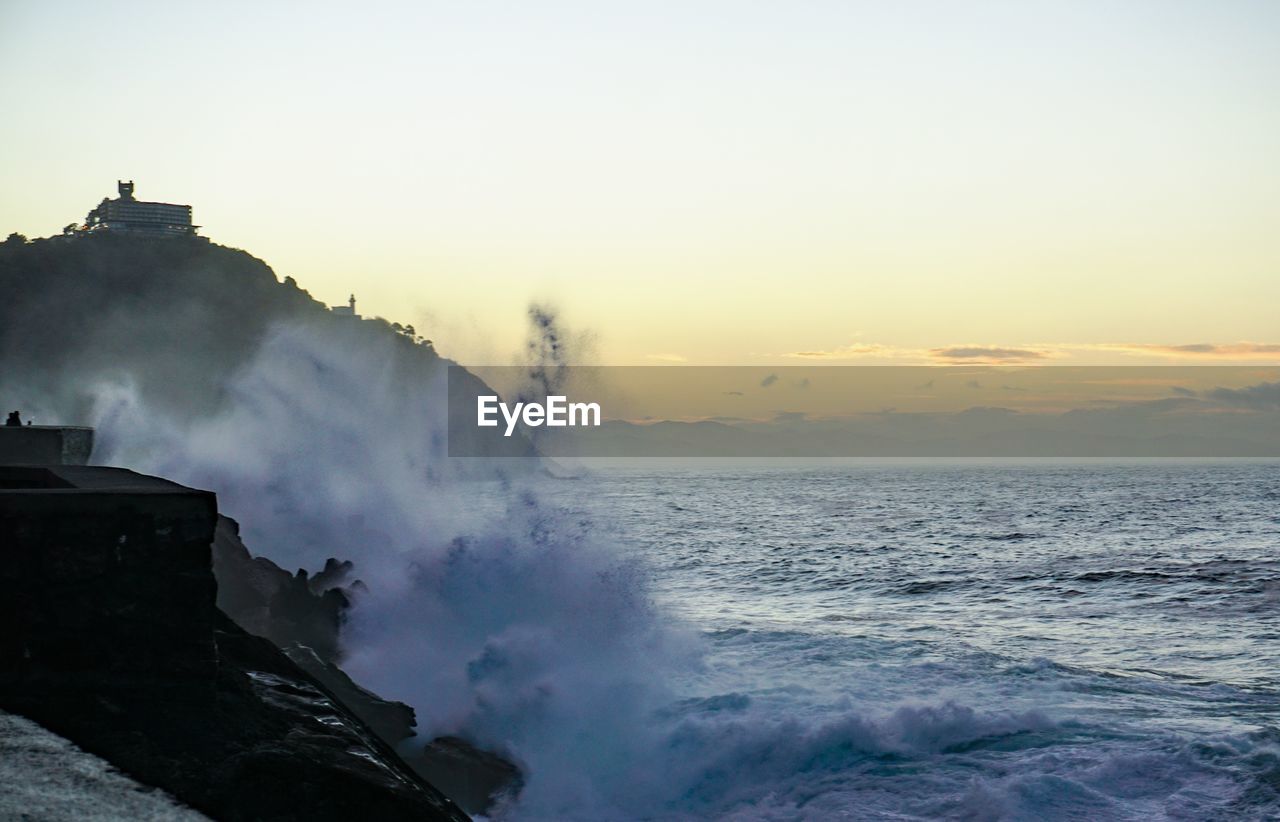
[(739, 183)]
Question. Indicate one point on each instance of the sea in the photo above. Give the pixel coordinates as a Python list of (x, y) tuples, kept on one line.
[(964, 639), (769, 640)]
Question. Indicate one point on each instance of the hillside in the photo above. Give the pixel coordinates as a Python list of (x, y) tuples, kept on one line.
[(196, 362), (172, 319)]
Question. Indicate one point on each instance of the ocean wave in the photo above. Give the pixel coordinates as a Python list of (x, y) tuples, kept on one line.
[(600, 667)]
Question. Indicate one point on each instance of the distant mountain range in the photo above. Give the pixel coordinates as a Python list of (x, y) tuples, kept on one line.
[(1178, 427)]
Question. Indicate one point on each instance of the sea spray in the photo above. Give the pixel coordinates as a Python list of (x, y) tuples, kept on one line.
[(518, 622), (496, 617)]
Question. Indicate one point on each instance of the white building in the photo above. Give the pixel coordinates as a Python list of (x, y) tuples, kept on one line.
[(348, 310), (125, 214)]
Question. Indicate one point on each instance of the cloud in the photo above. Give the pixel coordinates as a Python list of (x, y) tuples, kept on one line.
[(1264, 396), (733, 393), (1182, 392), (802, 384), (979, 353), (973, 354), (852, 352), (1201, 351), (789, 416), (952, 353), (973, 384), (769, 380), (667, 357)]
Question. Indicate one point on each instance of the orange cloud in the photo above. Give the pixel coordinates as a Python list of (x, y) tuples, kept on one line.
[(986, 354), (1192, 351), (1040, 353), (849, 352)]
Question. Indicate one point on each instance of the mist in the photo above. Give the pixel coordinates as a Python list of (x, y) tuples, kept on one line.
[(497, 617), (523, 626)]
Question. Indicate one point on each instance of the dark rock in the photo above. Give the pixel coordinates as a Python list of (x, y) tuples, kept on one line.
[(267, 742), (393, 722), (268, 601), (477, 780), (112, 640), (338, 761), (295, 610)]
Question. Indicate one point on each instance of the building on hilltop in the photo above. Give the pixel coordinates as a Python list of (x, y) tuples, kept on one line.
[(348, 310), (126, 214)]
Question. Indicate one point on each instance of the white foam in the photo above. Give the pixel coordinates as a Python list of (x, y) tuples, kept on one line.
[(46, 777)]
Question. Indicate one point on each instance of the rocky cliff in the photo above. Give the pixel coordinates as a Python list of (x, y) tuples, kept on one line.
[(113, 640), (173, 323), (302, 614)]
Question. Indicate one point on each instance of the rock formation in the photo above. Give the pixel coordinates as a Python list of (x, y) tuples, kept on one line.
[(113, 641), (302, 614)]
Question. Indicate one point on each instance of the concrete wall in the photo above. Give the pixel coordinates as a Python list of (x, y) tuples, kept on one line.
[(45, 445), (106, 575)]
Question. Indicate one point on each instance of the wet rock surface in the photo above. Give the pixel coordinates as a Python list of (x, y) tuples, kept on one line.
[(479, 781), (297, 610), (393, 722), (266, 741), (476, 779)]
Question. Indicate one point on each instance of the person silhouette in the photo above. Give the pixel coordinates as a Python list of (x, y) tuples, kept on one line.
[(14, 421)]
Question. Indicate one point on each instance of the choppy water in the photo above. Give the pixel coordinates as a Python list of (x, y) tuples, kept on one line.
[(973, 640), (965, 640)]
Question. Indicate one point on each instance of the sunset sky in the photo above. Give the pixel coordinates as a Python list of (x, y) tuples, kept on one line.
[(706, 182)]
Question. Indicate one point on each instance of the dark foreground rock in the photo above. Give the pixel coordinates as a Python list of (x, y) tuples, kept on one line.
[(392, 721), (112, 640), (271, 744), (476, 779), (268, 601), (302, 614)]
